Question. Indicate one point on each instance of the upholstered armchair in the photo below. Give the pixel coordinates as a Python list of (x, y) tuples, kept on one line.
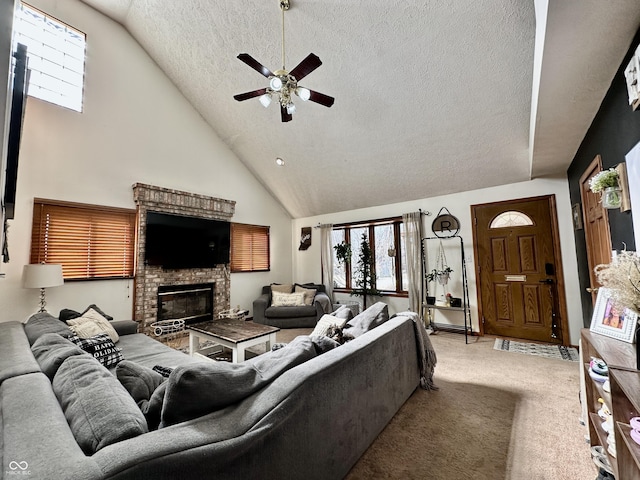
[(287, 310)]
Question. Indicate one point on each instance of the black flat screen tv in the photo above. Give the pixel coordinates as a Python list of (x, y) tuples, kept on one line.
[(176, 241)]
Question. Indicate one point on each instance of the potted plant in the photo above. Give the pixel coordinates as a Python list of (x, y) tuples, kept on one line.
[(607, 182), (442, 275), (343, 252), (364, 274)]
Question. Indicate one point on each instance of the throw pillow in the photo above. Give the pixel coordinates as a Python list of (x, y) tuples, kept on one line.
[(101, 347), (97, 407), (309, 294), (275, 287), (51, 350), (343, 312), (92, 323), (43, 322), (93, 306), (287, 299), (197, 389), (67, 314), (373, 316), (325, 323)]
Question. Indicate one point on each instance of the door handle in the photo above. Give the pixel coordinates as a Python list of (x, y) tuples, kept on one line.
[(592, 290), (548, 281)]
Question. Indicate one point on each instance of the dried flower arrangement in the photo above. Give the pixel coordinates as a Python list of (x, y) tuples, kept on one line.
[(622, 276)]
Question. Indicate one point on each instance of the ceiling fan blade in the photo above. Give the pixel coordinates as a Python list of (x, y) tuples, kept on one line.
[(286, 116), (256, 65), (246, 96), (305, 67), (321, 98)]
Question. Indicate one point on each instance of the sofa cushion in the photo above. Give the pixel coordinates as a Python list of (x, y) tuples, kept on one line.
[(92, 323), (101, 347), (343, 312), (287, 299), (43, 322), (97, 407), (138, 380), (309, 294), (373, 316), (50, 350), (16, 358), (201, 388)]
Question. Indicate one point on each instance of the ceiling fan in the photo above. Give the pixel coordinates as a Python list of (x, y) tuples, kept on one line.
[(283, 84)]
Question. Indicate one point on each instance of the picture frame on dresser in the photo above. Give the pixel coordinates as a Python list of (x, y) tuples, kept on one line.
[(609, 321)]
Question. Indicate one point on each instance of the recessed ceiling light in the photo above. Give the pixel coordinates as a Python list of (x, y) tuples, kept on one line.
[(280, 162)]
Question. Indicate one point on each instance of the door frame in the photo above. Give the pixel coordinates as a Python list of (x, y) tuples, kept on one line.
[(555, 233)]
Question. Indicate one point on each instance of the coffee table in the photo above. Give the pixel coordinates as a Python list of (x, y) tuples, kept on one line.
[(234, 334)]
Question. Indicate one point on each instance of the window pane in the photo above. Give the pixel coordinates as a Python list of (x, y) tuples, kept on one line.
[(56, 54), (339, 270), (385, 264), (511, 219)]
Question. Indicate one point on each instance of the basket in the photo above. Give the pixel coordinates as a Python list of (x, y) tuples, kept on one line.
[(163, 327)]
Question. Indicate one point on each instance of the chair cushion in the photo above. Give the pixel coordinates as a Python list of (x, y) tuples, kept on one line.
[(290, 312)]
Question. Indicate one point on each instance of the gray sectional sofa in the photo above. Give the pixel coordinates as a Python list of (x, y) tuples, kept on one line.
[(314, 420)]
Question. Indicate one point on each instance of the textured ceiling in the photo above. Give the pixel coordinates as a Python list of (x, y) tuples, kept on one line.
[(431, 97)]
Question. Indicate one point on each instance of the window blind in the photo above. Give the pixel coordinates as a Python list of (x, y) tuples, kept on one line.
[(90, 242), (249, 248)]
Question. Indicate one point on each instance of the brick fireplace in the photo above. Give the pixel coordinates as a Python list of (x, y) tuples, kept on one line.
[(150, 280)]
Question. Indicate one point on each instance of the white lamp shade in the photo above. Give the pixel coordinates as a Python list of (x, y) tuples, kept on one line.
[(42, 275)]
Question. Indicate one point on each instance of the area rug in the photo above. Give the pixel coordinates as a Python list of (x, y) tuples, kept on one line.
[(550, 351)]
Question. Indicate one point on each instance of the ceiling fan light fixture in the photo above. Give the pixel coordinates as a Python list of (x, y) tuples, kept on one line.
[(265, 100), (275, 83), (303, 93), (291, 109)]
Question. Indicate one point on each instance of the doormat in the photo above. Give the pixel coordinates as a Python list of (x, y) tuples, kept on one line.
[(550, 351)]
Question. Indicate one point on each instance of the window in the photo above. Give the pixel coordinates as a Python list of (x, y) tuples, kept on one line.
[(386, 240), (89, 241), (511, 219), (249, 248), (55, 53)]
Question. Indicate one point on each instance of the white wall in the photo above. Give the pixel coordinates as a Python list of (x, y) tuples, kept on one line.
[(306, 265), (136, 127)]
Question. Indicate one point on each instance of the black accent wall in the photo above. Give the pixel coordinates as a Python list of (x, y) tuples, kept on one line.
[(614, 131)]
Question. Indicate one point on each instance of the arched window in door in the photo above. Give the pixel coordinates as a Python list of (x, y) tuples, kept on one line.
[(512, 218)]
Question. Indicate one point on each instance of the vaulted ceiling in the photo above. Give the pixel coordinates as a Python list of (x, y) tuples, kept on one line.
[(431, 97)]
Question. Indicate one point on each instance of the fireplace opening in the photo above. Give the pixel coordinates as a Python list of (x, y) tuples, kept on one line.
[(191, 303)]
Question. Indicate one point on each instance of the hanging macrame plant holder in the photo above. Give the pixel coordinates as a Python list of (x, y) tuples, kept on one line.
[(441, 265)]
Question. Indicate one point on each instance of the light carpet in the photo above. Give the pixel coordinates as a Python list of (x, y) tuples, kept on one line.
[(542, 350)]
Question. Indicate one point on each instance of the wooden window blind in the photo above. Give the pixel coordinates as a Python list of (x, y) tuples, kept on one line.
[(89, 241), (249, 248)]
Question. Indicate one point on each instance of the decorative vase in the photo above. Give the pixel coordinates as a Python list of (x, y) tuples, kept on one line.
[(611, 197)]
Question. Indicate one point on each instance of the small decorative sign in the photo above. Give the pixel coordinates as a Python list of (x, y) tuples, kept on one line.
[(305, 238), (445, 225)]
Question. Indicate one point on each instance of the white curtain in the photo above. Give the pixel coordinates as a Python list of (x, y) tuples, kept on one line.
[(326, 257), (413, 243)]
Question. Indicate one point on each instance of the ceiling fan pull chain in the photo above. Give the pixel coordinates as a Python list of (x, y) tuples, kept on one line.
[(284, 5)]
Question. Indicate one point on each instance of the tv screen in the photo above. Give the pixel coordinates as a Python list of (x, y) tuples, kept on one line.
[(175, 241)]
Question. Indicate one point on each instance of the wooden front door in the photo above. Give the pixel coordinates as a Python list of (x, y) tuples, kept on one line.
[(518, 269), (596, 226)]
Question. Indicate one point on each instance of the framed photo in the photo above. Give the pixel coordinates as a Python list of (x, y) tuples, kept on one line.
[(576, 213), (607, 320)]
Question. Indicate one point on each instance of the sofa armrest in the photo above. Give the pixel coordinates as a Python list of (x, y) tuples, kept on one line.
[(260, 304), (322, 303), (125, 327)]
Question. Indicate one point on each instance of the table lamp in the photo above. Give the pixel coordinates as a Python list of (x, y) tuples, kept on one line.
[(42, 275)]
